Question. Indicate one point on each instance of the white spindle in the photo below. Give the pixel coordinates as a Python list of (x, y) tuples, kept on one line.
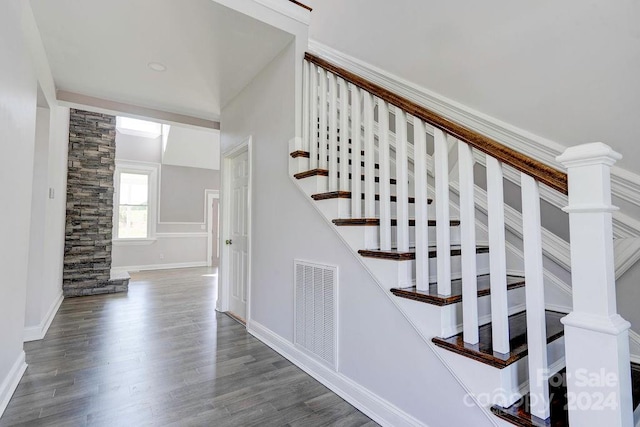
[(313, 128), (322, 140), (422, 215), (305, 105), (536, 323), (356, 157), (333, 134), (402, 181), (468, 245), (497, 257), (384, 181), (443, 237), (344, 135), (369, 159)]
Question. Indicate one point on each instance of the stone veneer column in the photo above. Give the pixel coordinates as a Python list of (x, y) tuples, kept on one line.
[(91, 165)]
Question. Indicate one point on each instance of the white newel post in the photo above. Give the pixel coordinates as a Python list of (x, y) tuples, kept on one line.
[(596, 337)]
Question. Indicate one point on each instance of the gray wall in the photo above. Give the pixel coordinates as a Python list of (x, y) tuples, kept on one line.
[(285, 226), (182, 192), (139, 149)]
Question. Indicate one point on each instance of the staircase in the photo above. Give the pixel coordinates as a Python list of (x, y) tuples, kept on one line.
[(399, 183)]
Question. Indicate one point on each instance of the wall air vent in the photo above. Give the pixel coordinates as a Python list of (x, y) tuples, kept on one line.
[(316, 310)]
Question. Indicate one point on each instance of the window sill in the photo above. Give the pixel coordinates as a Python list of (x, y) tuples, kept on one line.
[(134, 242)]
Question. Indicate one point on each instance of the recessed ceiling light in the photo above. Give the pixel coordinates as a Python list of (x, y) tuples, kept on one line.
[(156, 66)]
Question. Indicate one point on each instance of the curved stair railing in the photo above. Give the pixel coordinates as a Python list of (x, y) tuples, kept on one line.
[(347, 122)]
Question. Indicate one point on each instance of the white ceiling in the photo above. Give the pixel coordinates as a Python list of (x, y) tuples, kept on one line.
[(101, 49)]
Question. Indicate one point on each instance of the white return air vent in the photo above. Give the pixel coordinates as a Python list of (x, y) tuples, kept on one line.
[(316, 310)]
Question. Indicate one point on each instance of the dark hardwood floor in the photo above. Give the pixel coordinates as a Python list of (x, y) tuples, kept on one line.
[(161, 355)]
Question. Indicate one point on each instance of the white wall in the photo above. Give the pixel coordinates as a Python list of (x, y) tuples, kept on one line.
[(379, 350), (181, 222), (17, 130), (566, 70), (196, 148), (46, 252), (39, 198)]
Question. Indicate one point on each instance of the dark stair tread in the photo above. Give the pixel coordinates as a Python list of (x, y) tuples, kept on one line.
[(347, 195), (432, 297), (520, 415), (483, 352), (300, 153), (310, 173), (396, 255), (376, 222)]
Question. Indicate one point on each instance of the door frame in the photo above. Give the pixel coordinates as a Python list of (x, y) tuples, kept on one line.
[(224, 290), (211, 196)]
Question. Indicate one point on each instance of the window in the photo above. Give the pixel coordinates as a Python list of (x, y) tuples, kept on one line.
[(134, 201), (133, 209), (137, 127)]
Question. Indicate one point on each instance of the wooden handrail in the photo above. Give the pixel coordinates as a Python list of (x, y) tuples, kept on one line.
[(540, 171), (301, 5)]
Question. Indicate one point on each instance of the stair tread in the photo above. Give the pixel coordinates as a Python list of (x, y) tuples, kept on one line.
[(483, 352), (300, 153), (518, 413), (432, 297), (311, 172), (347, 195), (394, 254), (376, 222)]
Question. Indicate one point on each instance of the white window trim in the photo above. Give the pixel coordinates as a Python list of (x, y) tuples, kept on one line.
[(151, 170)]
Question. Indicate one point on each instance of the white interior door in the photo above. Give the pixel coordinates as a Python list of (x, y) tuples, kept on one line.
[(238, 236)]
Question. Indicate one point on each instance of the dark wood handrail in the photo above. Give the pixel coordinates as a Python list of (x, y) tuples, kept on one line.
[(301, 5), (540, 171)]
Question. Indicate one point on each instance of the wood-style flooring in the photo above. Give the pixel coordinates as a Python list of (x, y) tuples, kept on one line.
[(161, 355)]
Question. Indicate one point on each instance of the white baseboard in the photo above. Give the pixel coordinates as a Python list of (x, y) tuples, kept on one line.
[(375, 407), (34, 333), (11, 381), (130, 268)]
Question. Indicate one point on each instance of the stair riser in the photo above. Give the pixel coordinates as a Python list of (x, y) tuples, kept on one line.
[(368, 237), (388, 275), (298, 164)]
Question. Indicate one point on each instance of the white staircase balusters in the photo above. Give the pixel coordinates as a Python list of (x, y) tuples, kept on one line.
[(497, 257), (384, 182), (534, 278), (356, 157), (306, 107), (421, 202), (443, 236), (344, 136), (333, 134), (402, 181), (596, 336), (313, 117), (369, 159), (468, 245), (323, 112)]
